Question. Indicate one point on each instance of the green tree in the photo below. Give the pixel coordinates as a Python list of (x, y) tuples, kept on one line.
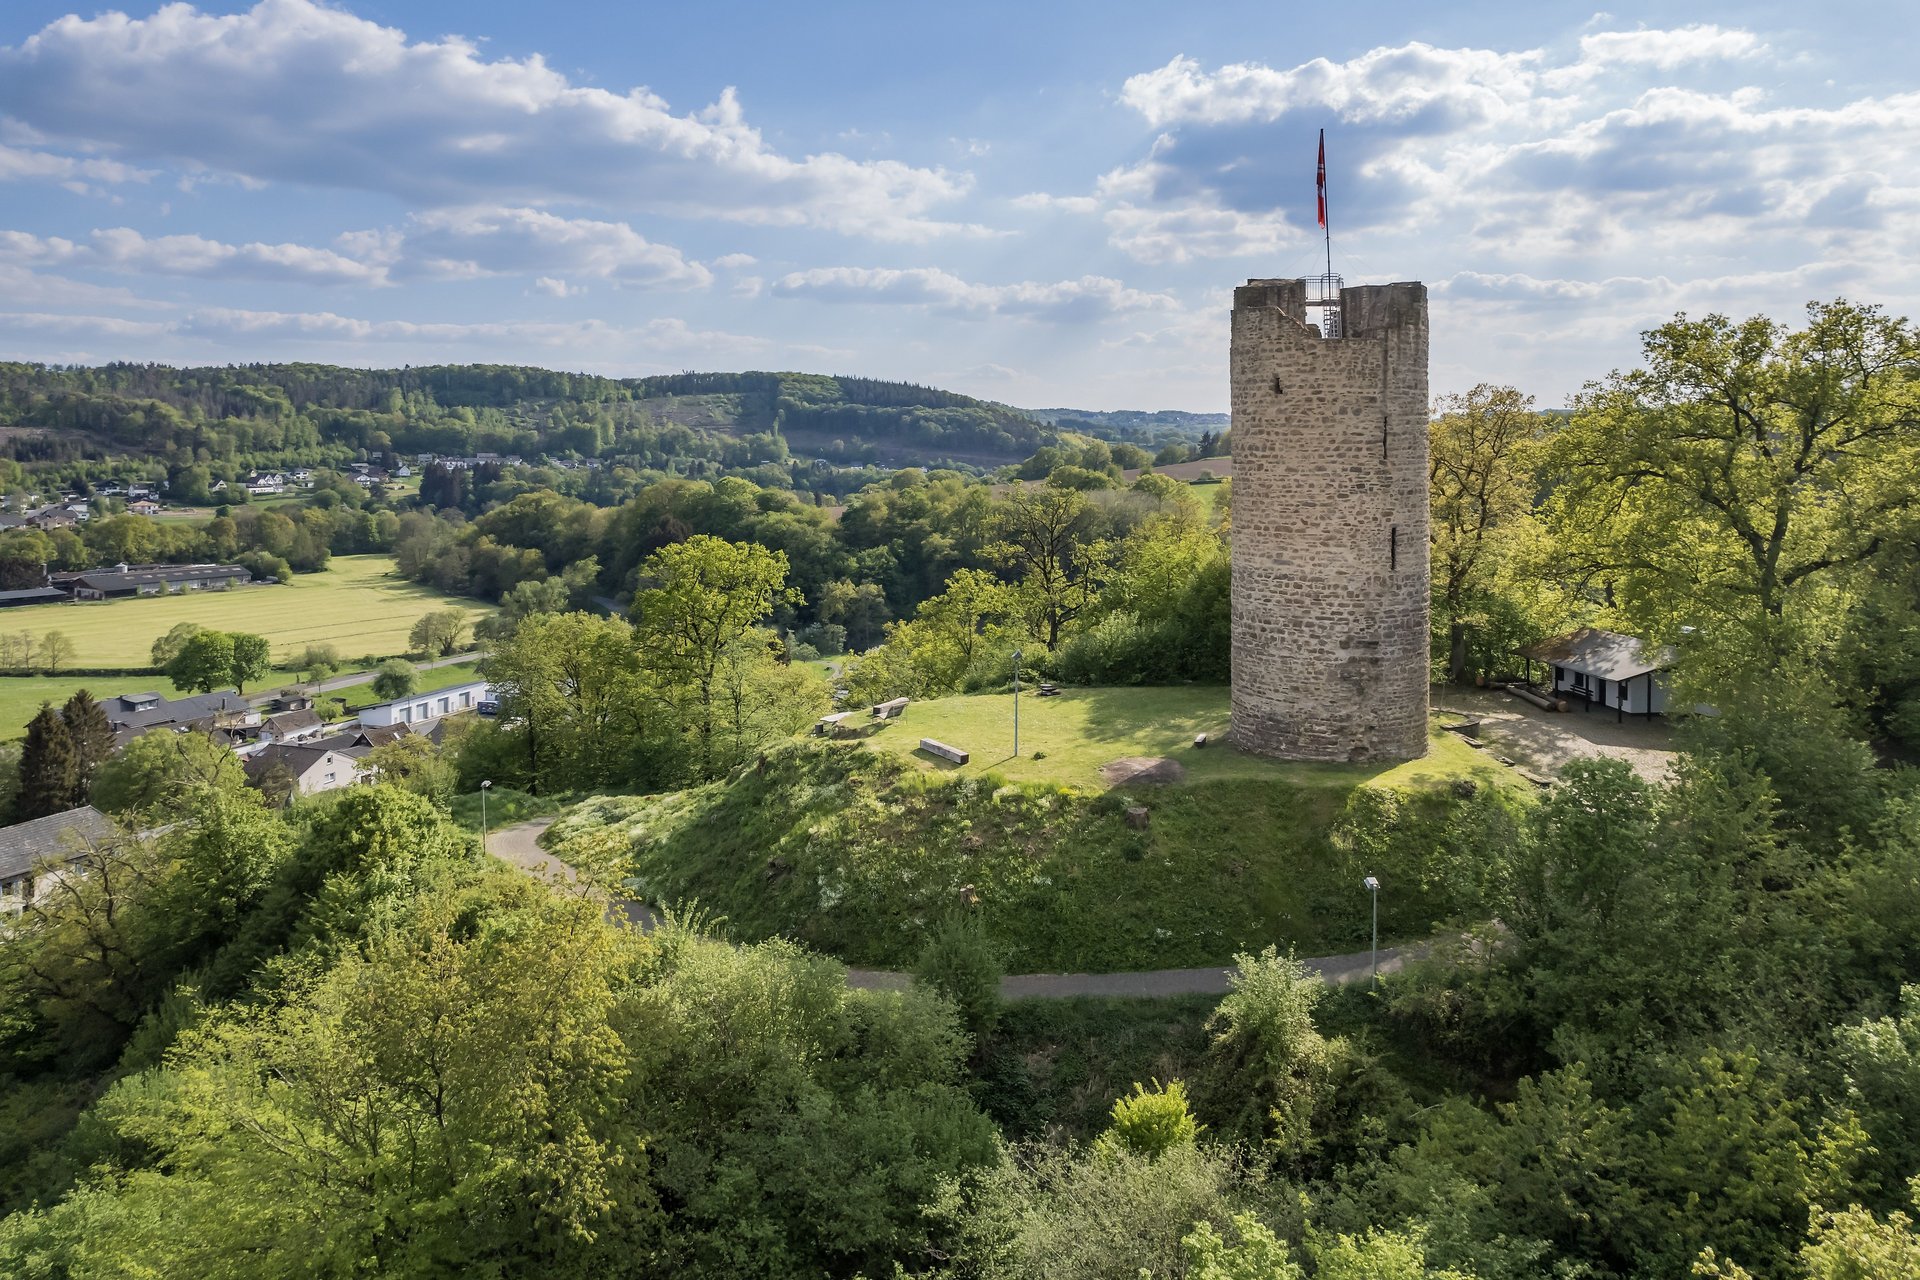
[(204, 663), (158, 774), (414, 764), (439, 632), (481, 1138), (572, 680), (394, 679), (1482, 460), (1268, 1067), (961, 963), (167, 647), (1741, 471), (48, 769), (1043, 535), (708, 593), (92, 739), (251, 660), (56, 650), (317, 662)]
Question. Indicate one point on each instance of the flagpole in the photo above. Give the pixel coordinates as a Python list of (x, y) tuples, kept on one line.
[(1326, 227)]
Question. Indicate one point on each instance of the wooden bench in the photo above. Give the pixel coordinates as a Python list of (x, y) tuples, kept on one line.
[(830, 724), (945, 752), (889, 709)]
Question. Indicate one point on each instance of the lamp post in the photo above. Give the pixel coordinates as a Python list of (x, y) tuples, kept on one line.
[(1016, 702), (1373, 887), (484, 788)]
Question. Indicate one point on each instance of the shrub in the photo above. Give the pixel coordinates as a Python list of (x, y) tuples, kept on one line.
[(1151, 1122), (960, 962)]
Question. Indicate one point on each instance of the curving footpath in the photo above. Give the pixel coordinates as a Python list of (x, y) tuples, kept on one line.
[(520, 845)]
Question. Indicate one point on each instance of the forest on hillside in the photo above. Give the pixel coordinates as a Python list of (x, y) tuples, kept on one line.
[(279, 415)]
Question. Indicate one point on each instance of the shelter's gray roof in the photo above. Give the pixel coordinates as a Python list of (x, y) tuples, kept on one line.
[(1605, 654), (59, 835)]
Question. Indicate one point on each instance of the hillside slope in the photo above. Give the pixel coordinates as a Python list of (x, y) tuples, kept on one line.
[(860, 853), (314, 411)]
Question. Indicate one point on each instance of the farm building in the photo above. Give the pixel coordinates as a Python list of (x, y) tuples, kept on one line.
[(150, 580)]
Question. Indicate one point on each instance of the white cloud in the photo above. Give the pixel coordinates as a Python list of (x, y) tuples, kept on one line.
[(1665, 50), (472, 242), (126, 250), (1582, 150), (1088, 298), (18, 164), (1066, 204), (293, 90), (554, 288), (734, 261)]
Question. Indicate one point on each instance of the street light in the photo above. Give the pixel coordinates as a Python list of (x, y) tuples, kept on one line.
[(1016, 702), (484, 788), (1373, 887)]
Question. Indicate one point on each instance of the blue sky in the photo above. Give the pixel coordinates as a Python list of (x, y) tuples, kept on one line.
[(1041, 204)]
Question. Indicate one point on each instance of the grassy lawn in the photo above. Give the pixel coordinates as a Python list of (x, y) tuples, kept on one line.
[(861, 850), (359, 605), (362, 695), (1066, 738)]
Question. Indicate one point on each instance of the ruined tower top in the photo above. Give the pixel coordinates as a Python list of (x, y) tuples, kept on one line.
[(1330, 522)]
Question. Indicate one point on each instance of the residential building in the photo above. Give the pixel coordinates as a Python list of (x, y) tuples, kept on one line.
[(34, 854), (144, 507), (425, 708), (132, 714), (323, 763)]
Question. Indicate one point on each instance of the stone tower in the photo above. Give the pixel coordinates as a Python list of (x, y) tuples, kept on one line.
[(1330, 645)]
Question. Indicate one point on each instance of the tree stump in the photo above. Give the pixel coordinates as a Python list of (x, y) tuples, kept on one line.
[(1137, 816)]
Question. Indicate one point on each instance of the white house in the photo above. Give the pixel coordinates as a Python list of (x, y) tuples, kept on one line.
[(1605, 669), (425, 708)]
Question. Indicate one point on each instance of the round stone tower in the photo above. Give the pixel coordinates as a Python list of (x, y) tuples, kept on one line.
[(1330, 594)]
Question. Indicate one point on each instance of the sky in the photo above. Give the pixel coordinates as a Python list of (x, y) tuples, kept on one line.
[(1045, 204)]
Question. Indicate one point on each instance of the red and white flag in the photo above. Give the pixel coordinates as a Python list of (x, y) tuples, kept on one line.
[(1320, 179)]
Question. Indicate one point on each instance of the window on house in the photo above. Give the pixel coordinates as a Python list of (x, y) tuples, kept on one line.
[(332, 778), (1580, 680)]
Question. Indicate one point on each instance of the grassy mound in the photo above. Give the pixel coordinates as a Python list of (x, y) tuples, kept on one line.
[(861, 852)]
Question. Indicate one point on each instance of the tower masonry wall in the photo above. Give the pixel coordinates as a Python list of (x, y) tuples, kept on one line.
[(1330, 524)]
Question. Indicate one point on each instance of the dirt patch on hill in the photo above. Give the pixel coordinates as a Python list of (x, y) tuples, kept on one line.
[(1118, 773)]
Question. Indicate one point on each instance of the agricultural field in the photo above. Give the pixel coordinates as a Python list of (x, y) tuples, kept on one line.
[(359, 605)]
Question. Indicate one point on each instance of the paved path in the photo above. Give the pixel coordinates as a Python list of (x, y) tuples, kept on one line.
[(519, 844), (362, 677)]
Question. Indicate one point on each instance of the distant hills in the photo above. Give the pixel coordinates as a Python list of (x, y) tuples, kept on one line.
[(288, 414), (1139, 426), (280, 413)]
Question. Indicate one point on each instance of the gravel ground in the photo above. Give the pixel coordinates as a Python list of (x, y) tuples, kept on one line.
[(1544, 740)]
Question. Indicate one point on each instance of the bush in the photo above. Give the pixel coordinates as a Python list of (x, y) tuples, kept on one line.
[(1151, 1122), (265, 566), (960, 962)]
